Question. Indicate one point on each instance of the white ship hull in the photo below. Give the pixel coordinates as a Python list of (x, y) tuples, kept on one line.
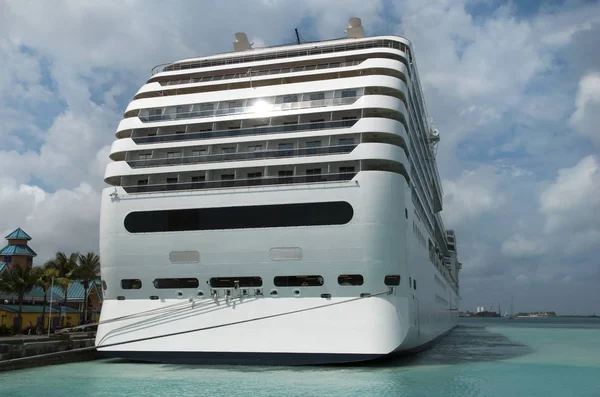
[(313, 325)]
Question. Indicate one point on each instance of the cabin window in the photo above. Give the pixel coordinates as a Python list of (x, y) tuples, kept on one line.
[(200, 152), (286, 146), (298, 281), (311, 144), (290, 98), (247, 217), (172, 155), (198, 178), (317, 96), (175, 283), (142, 182), (172, 180), (130, 283), (228, 150), (232, 282), (348, 94), (392, 280), (254, 148), (344, 170), (350, 279), (145, 156), (346, 141)]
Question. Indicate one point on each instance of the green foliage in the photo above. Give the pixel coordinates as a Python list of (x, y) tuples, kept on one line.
[(66, 266)]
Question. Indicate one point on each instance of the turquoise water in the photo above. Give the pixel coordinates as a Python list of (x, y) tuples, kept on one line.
[(481, 357)]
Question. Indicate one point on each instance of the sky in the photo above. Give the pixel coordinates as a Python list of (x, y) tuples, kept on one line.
[(513, 87)]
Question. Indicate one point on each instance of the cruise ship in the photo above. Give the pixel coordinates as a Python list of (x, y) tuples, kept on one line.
[(277, 206)]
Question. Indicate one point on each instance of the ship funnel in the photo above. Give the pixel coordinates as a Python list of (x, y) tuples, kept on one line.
[(355, 29), (241, 42)]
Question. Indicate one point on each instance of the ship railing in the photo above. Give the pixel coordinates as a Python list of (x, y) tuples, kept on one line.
[(145, 115), (290, 53), (253, 155), (233, 183), (259, 73), (246, 131)]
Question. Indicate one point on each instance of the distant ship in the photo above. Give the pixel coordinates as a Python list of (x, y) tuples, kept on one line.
[(277, 206)]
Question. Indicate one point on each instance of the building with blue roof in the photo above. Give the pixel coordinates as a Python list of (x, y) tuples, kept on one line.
[(17, 252)]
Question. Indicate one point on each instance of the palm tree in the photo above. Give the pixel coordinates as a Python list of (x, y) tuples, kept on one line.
[(87, 272), (65, 265), (18, 280), (45, 275)]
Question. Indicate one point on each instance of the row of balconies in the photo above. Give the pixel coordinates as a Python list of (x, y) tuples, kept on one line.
[(241, 128), (246, 177), (274, 77), (254, 151), (375, 156), (272, 54), (253, 105)]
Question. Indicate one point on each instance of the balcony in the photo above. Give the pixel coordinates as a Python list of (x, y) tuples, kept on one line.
[(245, 132), (255, 155), (258, 107), (252, 182)]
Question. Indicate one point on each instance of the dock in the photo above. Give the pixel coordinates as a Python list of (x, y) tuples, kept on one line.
[(23, 351)]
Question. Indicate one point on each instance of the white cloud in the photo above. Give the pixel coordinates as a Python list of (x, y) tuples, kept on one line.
[(572, 203), (64, 220), (471, 195), (521, 247), (586, 118)]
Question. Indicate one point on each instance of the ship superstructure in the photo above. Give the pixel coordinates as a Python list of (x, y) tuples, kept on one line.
[(277, 206)]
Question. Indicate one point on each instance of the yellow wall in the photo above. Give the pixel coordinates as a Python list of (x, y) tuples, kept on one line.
[(8, 320)]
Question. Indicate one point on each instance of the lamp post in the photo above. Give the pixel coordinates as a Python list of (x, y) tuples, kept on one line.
[(50, 315)]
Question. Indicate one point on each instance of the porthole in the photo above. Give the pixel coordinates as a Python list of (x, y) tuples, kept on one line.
[(199, 293), (296, 292), (273, 292), (179, 294)]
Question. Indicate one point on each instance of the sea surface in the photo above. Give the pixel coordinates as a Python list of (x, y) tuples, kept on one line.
[(481, 357)]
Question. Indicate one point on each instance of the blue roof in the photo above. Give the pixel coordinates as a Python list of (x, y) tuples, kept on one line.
[(34, 309), (75, 292), (3, 265), (18, 234), (17, 249)]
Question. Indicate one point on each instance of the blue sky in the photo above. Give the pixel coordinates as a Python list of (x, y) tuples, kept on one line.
[(513, 86)]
